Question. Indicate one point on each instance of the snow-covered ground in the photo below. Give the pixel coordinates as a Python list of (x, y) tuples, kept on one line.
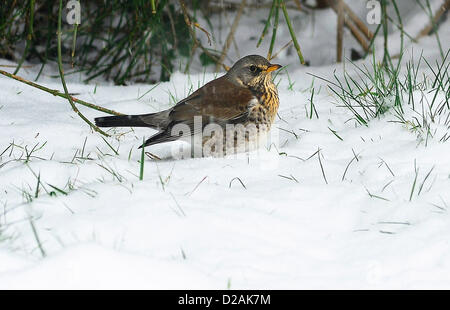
[(370, 212)]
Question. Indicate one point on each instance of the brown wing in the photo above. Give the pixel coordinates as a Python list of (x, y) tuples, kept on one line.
[(218, 101)]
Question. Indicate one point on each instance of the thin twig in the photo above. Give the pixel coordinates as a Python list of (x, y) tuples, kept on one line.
[(231, 34), (357, 35), (291, 31), (29, 37), (274, 28), (340, 30), (321, 166), (74, 41), (194, 38), (437, 16), (240, 181), (195, 188), (348, 165), (266, 26), (61, 73), (36, 236), (141, 164), (281, 49), (55, 92), (351, 23), (172, 27), (354, 18)]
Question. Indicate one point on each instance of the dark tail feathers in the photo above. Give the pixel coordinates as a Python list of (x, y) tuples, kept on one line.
[(159, 121), (121, 121)]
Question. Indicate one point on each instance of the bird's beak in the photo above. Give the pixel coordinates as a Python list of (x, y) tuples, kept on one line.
[(273, 68)]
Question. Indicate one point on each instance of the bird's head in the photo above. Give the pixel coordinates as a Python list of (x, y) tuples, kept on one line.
[(252, 71)]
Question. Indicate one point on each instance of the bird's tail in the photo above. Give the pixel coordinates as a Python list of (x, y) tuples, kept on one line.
[(120, 121), (158, 120)]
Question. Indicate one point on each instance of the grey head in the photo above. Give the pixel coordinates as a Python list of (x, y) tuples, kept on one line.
[(251, 70)]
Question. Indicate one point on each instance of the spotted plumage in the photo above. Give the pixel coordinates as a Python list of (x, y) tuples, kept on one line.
[(229, 114)]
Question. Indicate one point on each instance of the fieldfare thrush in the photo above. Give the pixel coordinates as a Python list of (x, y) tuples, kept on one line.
[(229, 114)]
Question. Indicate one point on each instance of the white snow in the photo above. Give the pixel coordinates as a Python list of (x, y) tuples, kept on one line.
[(191, 224)]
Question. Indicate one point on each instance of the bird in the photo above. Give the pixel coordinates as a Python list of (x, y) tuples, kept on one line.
[(230, 114)]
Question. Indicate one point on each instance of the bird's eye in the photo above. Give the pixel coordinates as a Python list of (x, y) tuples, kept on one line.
[(253, 68)]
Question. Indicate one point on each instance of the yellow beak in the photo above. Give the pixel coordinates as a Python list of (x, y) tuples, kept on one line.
[(273, 68)]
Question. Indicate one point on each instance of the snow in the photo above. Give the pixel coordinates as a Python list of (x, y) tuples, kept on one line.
[(191, 223), (74, 269)]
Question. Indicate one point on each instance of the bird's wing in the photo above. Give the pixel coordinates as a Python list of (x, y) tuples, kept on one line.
[(218, 101)]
